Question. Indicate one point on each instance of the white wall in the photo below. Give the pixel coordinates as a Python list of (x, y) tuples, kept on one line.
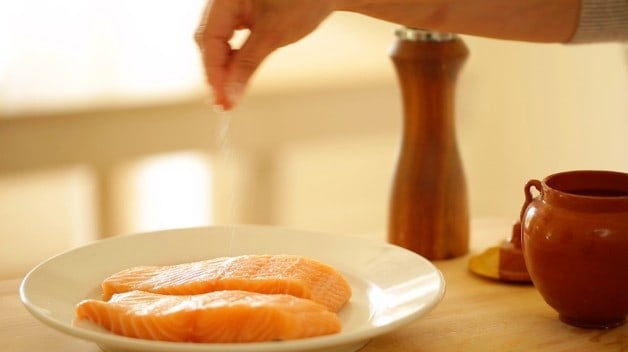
[(316, 139), (529, 110), (43, 213), (524, 111)]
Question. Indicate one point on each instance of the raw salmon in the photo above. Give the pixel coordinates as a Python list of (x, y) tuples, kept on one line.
[(215, 317), (290, 274)]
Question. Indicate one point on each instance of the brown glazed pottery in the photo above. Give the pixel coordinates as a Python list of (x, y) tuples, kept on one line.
[(575, 243)]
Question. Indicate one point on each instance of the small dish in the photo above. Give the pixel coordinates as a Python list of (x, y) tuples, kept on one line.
[(391, 285), (504, 262)]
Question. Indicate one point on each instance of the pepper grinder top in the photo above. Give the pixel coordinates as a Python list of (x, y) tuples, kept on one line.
[(422, 35)]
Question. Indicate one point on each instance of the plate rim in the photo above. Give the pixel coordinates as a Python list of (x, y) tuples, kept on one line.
[(357, 338)]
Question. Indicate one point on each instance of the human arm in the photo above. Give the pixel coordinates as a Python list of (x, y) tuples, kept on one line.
[(276, 23), (524, 20)]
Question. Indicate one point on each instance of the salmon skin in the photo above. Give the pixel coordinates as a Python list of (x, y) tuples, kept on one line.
[(287, 274), (215, 317)]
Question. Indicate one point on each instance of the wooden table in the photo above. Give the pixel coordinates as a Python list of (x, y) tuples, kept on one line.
[(476, 315)]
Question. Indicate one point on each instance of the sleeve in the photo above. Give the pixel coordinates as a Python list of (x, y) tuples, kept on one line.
[(602, 21)]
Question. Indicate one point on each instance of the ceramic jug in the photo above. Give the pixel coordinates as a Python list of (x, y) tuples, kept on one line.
[(575, 245)]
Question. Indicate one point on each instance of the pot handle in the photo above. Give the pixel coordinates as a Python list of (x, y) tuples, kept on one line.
[(528, 192)]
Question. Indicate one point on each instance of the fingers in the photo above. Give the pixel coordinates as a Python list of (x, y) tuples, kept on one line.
[(228, 71), (218, 23), (245, 62), (272, 24)]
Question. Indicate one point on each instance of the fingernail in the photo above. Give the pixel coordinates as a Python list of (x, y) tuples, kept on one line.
[(210, 99), (219, 109), (234, 92), (210, 96)]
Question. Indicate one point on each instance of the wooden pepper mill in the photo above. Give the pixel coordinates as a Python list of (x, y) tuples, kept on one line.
[(429, 207)]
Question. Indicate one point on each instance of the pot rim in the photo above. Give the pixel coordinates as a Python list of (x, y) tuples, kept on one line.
[(576, 182), (587, 190)]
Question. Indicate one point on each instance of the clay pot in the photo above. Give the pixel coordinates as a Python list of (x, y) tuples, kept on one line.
[(575, 244)]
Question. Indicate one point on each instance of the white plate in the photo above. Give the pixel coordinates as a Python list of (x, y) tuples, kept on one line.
[(391, 286)]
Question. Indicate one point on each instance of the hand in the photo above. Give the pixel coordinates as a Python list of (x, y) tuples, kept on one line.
[(276, 23), (272, 24)]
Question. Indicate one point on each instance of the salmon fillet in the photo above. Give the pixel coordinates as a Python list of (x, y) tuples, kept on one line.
[(215, 317), (289, 274)]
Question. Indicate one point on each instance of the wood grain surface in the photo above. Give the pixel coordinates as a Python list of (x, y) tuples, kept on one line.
[(476, 314)]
